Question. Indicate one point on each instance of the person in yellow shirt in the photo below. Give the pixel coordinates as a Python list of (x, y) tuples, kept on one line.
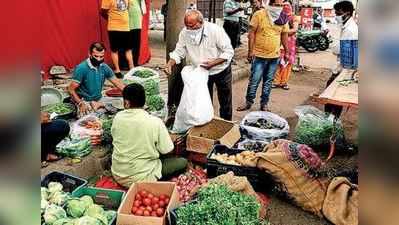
[(141, 142), (265, 38), (117, 14)]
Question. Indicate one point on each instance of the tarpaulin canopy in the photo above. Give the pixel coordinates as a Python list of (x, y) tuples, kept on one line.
[(69, 27)]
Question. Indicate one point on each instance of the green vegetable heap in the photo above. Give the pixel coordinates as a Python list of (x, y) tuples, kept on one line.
[(155, 103), (144, 73), (216, 204), (106, 125), (151, 87), (59, 108), (315, 131)]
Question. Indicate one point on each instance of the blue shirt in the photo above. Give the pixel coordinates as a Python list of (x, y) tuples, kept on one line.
[(91, 79)]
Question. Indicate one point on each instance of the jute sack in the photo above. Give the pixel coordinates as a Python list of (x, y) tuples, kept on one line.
[(294, 167), (341, 204)]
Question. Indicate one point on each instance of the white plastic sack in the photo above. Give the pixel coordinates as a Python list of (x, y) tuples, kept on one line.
[(254, 133), (195, 106), (130, 75)]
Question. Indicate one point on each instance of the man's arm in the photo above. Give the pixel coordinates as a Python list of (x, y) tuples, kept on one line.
[(117, 83), (72, 91), (177, 55), (223, 43), (251, 41)]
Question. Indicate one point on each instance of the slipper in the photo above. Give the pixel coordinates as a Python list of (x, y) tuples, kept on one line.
[(119, 75), (285, 87), (275, 86), (44, 164)]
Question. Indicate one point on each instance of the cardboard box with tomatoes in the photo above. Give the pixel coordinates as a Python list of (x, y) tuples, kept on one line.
[(148, 203)]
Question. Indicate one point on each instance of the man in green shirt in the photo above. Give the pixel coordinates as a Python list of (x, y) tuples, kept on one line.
[(88, 80), (139, 139)]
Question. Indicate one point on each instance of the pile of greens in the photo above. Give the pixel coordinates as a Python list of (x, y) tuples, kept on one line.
[(316, 131), (78, 211), (106, 125), (144, 73), (74, 147), (151, 87), (59, 108), (217, 204), (155, 103)]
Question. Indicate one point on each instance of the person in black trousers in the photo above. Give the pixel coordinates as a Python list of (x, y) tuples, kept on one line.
[(52, 133)]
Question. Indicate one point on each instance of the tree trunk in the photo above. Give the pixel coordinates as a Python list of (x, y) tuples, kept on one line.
[(174, 24)]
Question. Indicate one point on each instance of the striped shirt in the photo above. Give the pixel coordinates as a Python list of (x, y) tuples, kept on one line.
[(228, 6)]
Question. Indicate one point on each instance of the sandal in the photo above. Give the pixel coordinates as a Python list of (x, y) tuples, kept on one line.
[(119, 75), (285, 87), (275, 86), (244, 107), (44, 164)]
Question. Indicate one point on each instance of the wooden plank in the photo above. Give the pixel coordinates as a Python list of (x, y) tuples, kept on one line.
[(341, 95)]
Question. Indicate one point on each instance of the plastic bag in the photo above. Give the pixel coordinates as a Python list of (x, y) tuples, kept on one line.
[(81, 128), (74, 148), (264, 126), (195, 106), (315, 127), (132, 75)]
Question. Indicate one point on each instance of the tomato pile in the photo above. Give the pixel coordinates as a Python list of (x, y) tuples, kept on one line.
[(185, 183), (148, 204)]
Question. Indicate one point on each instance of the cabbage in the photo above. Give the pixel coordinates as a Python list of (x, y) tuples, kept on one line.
[(97, 212), (44, 192), (94, 210), (53, 213), (43, 205), (58, 197), (75, 208), (54, 187), (86, 201), (110, 214), (87, 220), (64, 221)]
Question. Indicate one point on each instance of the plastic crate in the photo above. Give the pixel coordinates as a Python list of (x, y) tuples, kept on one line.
[(110, 199), (349, 54), (259, 180), (69, 182)]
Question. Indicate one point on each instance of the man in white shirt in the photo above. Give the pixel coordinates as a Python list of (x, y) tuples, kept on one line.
[(349, 31), (207, 45), (231, 16)]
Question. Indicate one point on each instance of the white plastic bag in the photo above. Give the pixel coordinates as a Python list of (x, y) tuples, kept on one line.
[(280, 126), (195, 106)]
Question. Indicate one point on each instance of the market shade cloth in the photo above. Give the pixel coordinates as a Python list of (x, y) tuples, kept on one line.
[(69, 27)]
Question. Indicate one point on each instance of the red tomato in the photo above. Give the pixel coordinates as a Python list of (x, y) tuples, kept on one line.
[(137, 203), (142, 208), (162, 203), (160, 212), (137, 197), (147, 202), (162, 197), (146, 213), (139, 212), (150, 195), (148, 208), (155, 200), (153, 213), (166, 200), (134, 209), (143, 194), (155, 206)]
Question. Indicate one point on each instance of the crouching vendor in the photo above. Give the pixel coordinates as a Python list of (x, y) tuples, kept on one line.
[(89, 78), (140, 143)]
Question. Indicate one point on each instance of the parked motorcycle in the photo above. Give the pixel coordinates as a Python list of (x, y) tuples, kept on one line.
[(313, 40)]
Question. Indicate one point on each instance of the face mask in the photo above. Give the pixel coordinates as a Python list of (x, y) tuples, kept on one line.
[(95, 62), (194, 36)]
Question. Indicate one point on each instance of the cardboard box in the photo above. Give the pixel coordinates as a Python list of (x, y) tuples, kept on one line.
[(202, 138), (125, 217)]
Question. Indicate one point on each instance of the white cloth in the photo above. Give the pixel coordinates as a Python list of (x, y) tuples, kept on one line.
[(350, 30), (214, 44)]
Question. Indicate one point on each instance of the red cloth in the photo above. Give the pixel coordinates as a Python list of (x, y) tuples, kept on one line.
[(265, 199), (109, 183), (69, 27), (145, 53)]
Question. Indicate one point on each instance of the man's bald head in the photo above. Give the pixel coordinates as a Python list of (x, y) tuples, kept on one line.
[(193, 19)]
